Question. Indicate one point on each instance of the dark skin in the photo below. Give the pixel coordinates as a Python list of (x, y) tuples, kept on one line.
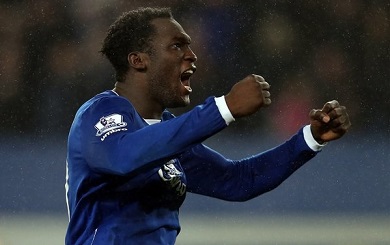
[(161, 80)]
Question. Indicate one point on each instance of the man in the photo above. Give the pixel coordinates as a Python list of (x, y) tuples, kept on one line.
[(130, 162)]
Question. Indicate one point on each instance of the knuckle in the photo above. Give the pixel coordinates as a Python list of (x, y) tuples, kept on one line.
[(339, 111), (265, 85), (312, 112), (261, 78)]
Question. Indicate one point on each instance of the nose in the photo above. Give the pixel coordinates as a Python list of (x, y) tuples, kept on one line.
[(190, 55)]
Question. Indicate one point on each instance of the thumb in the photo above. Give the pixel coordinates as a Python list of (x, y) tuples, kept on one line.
[(319, 115)]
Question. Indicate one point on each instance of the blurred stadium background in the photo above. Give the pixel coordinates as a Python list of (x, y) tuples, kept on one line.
[(309, 51)]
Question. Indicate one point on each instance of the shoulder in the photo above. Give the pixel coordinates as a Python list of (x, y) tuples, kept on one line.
[(103, 112), (104, 106), (108, 99), (105, 102)]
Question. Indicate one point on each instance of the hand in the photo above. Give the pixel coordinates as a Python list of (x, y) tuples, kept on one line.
[(248, 96), (329, 123)]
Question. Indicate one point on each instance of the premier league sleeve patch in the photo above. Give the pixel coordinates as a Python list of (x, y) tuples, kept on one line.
[(110, 124)]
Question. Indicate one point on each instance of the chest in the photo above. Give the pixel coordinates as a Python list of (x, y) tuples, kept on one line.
[(165, 187)]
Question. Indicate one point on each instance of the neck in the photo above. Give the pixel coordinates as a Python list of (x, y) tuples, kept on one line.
[(136, 94)]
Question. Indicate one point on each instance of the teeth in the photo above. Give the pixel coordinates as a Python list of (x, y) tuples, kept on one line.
[(189, 72), (189, 89)]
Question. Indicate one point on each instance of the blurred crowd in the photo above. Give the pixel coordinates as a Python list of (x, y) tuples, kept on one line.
[(309, 51)]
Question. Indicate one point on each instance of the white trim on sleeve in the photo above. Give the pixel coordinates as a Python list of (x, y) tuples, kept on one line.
[(310, 141), (224, 109)]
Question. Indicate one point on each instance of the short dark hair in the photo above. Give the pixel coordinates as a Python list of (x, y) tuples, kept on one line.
[(132, 31)]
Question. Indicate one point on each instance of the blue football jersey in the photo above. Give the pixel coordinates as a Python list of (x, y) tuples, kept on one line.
[(125, 182), (126, 179)]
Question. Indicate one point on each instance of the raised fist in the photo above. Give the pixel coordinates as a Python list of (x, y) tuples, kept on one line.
[(248, 96)]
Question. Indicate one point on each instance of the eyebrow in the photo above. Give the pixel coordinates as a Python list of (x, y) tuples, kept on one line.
[(183, 37)]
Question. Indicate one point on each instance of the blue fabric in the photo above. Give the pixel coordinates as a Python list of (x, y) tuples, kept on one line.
[(211, 174), (127, 180)]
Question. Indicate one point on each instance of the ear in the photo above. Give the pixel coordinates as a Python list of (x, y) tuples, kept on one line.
[(137, 60)]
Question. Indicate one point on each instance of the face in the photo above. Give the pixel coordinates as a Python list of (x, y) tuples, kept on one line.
[(171, 65)]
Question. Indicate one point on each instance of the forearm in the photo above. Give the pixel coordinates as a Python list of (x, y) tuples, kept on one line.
[(267, 170), (247, 178)]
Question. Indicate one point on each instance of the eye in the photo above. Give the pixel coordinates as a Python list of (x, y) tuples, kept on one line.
[(177, 45)]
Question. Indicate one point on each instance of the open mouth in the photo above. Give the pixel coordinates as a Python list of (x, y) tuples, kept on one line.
[(185, 78)]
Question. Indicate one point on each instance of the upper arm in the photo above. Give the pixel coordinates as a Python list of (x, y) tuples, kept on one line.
[(129, 144), (101, 128)]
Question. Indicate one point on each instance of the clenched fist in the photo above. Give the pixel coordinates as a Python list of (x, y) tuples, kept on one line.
[(248, 96), (329, 123)]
